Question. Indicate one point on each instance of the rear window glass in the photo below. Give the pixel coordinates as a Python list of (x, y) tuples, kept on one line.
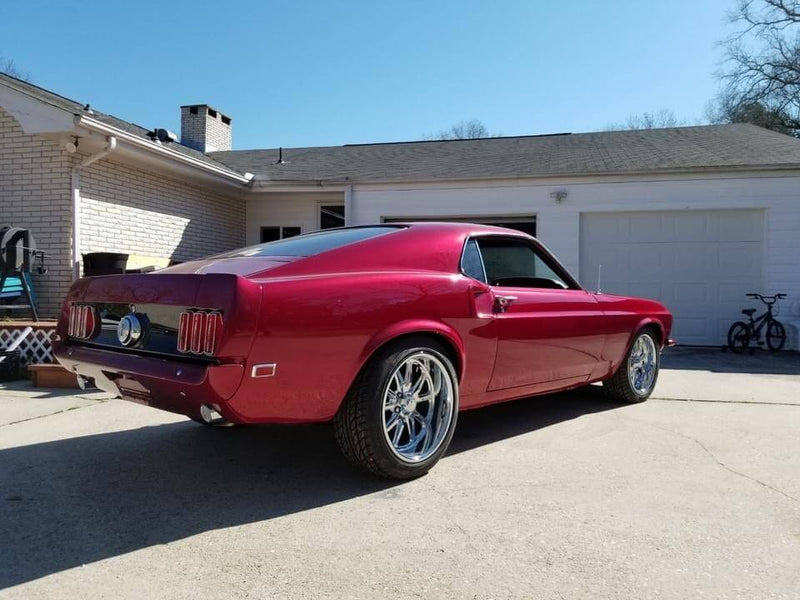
[(311, 243)]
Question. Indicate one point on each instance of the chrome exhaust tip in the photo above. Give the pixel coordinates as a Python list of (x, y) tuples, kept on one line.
[(211, 416)]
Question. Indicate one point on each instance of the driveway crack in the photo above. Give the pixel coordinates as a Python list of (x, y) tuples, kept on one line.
[(718, 461), (726, 401), (58, 412)]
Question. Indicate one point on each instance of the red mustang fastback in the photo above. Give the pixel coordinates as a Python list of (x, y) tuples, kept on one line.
[(386, 330)]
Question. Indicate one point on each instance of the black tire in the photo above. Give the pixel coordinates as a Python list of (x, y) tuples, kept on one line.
[(359, 424), (776, 335), (618, 387), (739, 337)]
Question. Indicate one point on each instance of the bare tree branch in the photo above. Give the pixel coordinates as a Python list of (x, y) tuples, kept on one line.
[(463, 130), (8, 67), (649, 120), (763, 63)]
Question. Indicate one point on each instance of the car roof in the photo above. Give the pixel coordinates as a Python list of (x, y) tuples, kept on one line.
[(457, 227)]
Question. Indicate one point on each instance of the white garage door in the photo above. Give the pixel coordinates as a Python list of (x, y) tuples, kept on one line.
[(698, 263)]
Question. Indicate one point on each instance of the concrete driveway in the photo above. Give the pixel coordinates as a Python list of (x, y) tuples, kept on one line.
[(695, 493)]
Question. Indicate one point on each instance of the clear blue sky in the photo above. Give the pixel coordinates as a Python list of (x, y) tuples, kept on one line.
[(299, 73)]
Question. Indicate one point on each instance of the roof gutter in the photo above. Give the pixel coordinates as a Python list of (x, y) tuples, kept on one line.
[(136, 141), (341, 183)]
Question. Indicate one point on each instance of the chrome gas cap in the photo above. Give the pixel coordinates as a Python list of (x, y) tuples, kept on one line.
[(129, 330)]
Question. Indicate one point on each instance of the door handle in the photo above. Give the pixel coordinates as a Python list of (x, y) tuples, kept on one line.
[(501, 303)]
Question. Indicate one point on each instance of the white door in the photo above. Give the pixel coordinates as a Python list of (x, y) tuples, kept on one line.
[(700, 264)]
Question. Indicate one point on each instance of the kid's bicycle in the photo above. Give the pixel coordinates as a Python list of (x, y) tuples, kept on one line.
[(742, 334)]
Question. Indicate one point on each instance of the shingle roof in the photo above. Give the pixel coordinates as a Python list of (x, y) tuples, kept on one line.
[(677, 149), (77, 108)]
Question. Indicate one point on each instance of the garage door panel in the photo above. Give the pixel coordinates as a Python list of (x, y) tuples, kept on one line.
[(645, 289), (698, 263), (605, 227), (740, 226), (692, 329), (645, 228), (615, 265), (739, 260), (732, 295), (645, 259), (721, 326), (693, 262), (691, 294), (694, 228)]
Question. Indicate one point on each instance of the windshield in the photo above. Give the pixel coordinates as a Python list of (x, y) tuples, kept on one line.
[(310, 244)]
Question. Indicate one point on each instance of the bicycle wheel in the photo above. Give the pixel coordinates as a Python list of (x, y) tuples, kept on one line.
[(776, 335), (739, 337)]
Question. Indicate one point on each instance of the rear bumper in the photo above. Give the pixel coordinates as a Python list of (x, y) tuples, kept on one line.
[(670, 343), (169, 385)]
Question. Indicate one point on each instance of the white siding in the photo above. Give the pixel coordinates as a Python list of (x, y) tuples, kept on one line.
[(35, 194), (558, 224), (123, 209), (286, 210), (126, 209)]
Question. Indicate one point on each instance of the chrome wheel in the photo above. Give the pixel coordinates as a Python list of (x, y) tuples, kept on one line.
[(417, 407), (642, 364)]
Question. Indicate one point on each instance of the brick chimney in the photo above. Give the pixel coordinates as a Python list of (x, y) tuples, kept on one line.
[(205, 129)]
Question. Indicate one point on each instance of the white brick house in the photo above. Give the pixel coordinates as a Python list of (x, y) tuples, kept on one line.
[(694, 216), (139, 197)]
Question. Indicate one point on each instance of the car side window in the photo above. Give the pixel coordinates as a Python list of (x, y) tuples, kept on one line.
[(471, 263), (514, 263)]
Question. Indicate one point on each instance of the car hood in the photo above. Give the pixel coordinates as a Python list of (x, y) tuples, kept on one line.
[(616, 301)]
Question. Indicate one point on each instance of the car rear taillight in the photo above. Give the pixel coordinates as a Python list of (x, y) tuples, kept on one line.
[(199, 332), (83, 321)]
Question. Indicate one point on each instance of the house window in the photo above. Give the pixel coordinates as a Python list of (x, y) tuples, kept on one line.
[(288, 232), (331, 215), (272, 234)]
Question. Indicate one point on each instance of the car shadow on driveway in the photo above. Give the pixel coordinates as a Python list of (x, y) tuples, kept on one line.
[(503, 421), (76, 501), (716, 361)]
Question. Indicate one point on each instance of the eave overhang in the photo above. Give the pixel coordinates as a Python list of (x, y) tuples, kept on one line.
[(38, 117)]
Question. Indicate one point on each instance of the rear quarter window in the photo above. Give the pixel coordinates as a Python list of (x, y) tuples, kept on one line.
[(471, 263)]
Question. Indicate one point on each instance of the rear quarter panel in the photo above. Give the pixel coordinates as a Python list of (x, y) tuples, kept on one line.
[(320, 330)]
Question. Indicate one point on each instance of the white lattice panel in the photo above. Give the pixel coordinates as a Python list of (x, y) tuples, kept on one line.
[(35, 348)]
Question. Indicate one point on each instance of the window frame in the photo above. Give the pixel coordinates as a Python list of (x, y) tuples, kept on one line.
[(280, 229), (539, 250), (285, 227), (264, 227), (321, 204)]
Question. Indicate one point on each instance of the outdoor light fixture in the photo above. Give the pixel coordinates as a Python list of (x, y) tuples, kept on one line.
[(558, 195)]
